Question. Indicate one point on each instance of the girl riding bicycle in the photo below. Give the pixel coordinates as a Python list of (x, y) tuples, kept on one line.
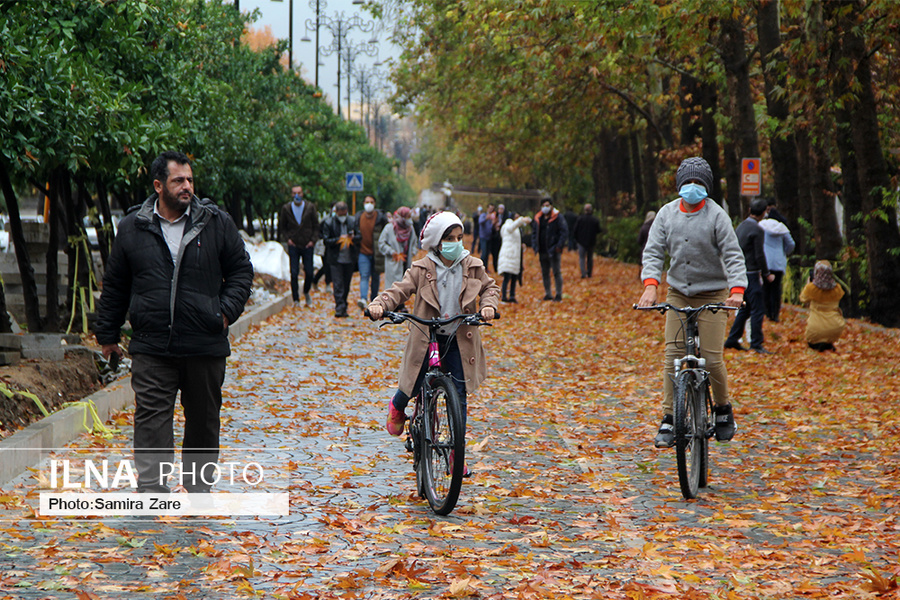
[(447, 282)]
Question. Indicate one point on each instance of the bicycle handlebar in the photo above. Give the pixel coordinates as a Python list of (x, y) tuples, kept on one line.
[(712, 307), (396, 318)]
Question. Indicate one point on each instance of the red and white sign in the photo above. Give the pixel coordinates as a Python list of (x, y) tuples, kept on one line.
[(751, 177)]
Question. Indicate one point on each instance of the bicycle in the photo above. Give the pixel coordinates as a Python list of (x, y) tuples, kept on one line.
[(693, 403), (436, 435)]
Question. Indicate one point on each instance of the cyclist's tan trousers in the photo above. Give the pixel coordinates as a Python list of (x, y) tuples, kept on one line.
[(712, 339)]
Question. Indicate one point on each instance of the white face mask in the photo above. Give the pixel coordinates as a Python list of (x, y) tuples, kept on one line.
[(369, 207), (342, 218), (545, 210)]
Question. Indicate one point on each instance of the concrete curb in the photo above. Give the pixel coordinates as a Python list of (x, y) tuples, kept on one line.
[(28, 447)]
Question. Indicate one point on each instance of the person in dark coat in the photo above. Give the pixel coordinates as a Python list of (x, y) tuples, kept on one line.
[(587, 226), (751, 237), (548, 239), (179, 270), (298, 228), (644, 233), (342, 240)]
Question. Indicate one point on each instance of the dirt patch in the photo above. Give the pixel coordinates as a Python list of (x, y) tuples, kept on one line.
[(53, 382), (70, 380)]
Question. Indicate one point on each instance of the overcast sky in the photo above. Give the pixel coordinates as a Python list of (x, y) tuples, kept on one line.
[(275, 14)]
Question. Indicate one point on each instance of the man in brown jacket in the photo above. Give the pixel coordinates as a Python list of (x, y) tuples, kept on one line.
[(298, 227)]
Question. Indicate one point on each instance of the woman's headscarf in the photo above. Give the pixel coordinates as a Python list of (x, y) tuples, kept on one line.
[(402, 228), (823, 276)]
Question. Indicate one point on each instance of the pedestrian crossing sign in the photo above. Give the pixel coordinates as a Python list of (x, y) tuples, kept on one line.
[(354, 182)]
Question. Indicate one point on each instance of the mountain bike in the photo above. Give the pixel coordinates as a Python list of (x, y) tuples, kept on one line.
[(693, 403), (436, 434)]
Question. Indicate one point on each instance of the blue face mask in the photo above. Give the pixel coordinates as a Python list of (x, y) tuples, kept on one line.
[(451, 250), (298, 199), (692, 193)]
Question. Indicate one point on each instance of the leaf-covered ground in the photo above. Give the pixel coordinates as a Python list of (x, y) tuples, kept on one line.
[(569, 499)]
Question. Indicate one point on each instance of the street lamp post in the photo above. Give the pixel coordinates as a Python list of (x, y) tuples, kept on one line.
[(339, 26), (352, 51), (318, 6)]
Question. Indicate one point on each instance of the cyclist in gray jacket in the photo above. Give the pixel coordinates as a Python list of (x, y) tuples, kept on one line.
[(707, 266)]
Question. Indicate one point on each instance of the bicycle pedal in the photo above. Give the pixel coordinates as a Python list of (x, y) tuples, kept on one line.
[(409, 445)]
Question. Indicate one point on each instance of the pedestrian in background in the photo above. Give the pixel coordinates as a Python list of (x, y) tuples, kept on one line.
[(778, 245), (487, 222), (496, 238), (371, 223), (548, 239), (751, 238), (825, 323), (179, 271), (298, 228), (341, 237), (510, 263), (476, 225), (705, 266), (587, 227), (399, 245)]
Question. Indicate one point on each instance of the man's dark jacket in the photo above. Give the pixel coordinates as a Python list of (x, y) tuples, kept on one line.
[(751, 237), (175, 312), (330, 229), (555, 229), (586, 229), (300, 233)]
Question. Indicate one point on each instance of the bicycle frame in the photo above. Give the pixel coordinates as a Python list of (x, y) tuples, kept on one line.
[(693, 403)]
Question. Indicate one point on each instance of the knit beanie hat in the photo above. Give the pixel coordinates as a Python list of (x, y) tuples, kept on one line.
[(694, 168), (435, 227)]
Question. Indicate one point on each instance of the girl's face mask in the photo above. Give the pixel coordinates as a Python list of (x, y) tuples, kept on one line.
[(451, 250)]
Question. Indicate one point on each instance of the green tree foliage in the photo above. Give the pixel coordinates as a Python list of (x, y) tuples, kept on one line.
[(92, 91), (543, 93)]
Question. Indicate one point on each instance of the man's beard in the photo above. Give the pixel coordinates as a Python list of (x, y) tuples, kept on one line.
[(175, 203)]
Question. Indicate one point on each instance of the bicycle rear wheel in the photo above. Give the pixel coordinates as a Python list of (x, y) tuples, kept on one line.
[(705, 423), (690, 434), (444, 446)]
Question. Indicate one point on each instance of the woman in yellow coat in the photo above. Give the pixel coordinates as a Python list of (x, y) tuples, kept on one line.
[(826, 322)]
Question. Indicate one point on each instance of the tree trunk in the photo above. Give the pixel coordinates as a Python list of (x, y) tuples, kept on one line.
[(824, 218), (709, 133), (733, 181), (651, 170), (803, 206), (783, 144), (248, 211), (878, 200), (602, 191), (51, 322), (737, 66), (234, 209), (26, 271)]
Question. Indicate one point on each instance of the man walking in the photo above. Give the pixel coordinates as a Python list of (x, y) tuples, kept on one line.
[(341, 237), (298, 227), (179, 269), (371, 222), (548, 238), (751, 237), (587, 226)]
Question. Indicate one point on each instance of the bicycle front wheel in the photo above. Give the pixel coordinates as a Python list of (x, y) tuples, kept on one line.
[(690, 434), (444, 446)]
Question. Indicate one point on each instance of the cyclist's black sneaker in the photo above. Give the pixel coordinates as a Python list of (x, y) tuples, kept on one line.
[(665, 437), (725, 426)]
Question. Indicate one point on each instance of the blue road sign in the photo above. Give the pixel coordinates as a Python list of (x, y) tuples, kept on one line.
[(354, 182)]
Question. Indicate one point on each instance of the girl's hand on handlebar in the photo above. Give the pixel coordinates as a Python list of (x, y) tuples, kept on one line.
[(735, 300), (649, 297), (376, 311), (487, 313)]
